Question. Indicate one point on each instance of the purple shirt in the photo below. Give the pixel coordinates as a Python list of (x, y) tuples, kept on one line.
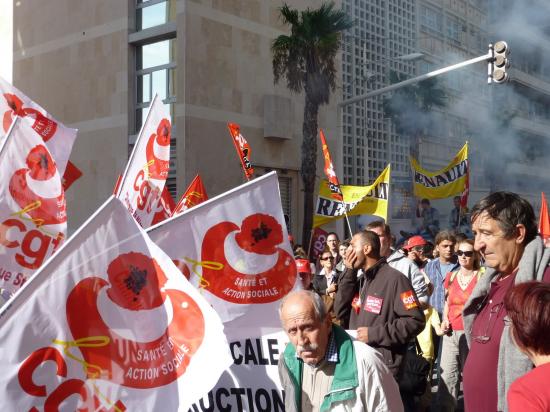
[(480, 370), (479, 377)]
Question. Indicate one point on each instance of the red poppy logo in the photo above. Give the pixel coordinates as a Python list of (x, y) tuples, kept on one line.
[(137, 284), (42, 125), (261, 235), (37, 188), (158, 151)]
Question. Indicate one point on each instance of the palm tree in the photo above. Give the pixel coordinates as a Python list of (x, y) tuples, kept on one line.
[(410, 107), (306, 59)]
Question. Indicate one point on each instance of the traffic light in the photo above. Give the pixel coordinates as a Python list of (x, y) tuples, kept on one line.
[(499, 62)]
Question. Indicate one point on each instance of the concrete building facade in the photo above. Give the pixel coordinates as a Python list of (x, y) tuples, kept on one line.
[(504, 123), (97, 65)]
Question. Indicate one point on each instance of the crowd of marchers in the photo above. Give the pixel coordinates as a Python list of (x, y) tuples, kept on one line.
[(467, 313)]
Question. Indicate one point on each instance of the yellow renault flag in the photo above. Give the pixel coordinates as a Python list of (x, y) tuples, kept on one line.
[(447, 182), (358, 200)]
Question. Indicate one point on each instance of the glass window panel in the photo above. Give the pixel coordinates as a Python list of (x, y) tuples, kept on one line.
[(144, 88), (154, 54), (160, 83), (150, 16)]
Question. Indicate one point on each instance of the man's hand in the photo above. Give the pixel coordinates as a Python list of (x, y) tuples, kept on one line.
[(363, 334), (350, 259), (332, 288)]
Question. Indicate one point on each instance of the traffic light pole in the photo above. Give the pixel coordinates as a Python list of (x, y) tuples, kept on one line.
[(395, 86), (489, 57)]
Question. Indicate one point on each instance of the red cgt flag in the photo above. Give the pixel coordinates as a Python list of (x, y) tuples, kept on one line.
[(165, 207), (242, 147), (195, 194), (333, 182), (71, 175), (544, 219)]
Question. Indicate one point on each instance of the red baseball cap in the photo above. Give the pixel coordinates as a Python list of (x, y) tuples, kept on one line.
[(303, 266), (414, 241)]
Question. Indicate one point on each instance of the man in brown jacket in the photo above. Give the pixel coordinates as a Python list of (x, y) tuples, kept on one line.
[(378, 300)]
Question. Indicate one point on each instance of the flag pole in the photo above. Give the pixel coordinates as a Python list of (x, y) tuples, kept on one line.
[(309, 244), (134, 149), (12, 126), (347, 219)]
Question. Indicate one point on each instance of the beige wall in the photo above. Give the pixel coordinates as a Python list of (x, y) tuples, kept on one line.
[(71, 58), (228, 74)]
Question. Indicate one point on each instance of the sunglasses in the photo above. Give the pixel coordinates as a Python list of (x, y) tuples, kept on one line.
[(327, 258), (467, 253)]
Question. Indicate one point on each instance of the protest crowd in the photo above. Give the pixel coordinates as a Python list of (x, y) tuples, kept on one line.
[(153, 305)]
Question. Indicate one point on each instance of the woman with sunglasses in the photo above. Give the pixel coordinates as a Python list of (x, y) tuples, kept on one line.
[(459, 285), (324, 283)]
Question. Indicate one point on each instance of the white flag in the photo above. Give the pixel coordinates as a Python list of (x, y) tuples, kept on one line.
[(33, 220), (235, 249), (58, 138), (147, 169), (113, 313)]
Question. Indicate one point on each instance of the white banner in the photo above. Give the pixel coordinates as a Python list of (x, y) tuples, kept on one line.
[(124, 328), (252, 382), (235, 249), (58, 138), (147, 169), (33, 220)]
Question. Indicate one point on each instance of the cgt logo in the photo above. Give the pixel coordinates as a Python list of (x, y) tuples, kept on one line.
[(409, 300), (137, 294), (158, 151), (37, 191), (257, 240), (42, 125)]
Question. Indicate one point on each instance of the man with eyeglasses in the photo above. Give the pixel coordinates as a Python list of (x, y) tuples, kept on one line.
[(505, 233), (333, 245)]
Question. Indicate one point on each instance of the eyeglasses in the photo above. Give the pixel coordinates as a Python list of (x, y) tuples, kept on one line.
[(327, 258), (467, 253), (493, 315)]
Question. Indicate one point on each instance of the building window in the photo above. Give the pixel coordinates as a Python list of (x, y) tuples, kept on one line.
[(285, 189), (155, 73), (155, 68), (151, 13), (431, 19)]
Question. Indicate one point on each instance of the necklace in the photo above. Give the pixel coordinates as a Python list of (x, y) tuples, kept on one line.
[(464, 280)]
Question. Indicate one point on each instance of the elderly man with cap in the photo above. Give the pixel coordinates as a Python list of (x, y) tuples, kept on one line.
[(324, 369)]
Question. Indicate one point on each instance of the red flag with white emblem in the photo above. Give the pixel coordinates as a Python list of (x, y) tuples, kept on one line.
[(333, 182), (58, 138), (33, 220), (143, 180), (242, 147), (113, 313), (195, 194)]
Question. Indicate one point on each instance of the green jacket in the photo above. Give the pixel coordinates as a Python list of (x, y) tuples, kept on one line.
[(345, 379)]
